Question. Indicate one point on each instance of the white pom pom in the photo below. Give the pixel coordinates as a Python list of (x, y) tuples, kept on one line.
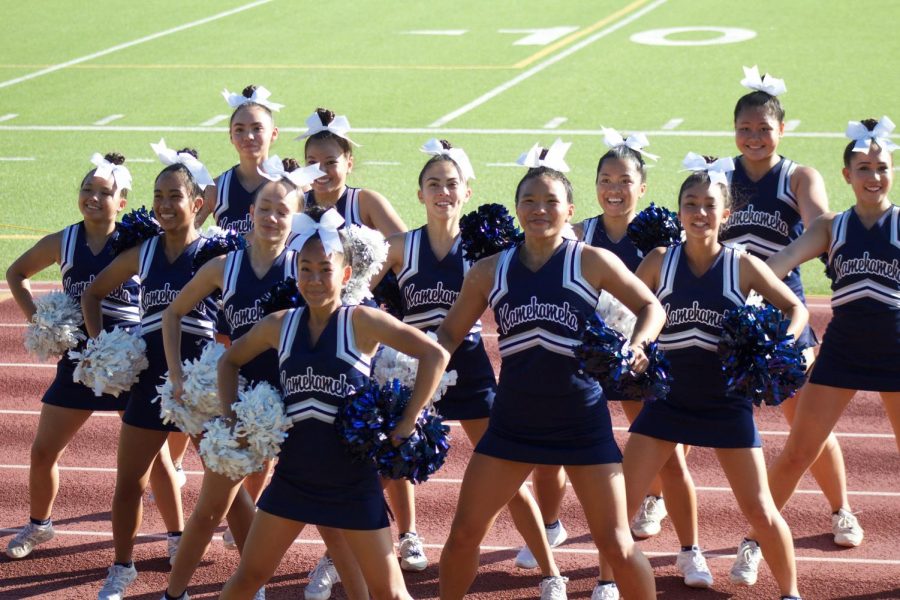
[(213, 231), (391, 364), (615, 314), (55, 327), (222, 453), (261, 420), (369, 250), (110, 362)]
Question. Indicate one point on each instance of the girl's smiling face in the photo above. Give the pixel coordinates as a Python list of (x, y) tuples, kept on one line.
[(870, 175), (757, 133), (99, 199), (443, 190), (252, 132), (332, 159), (702, 210), (619, 186), (275, 204), (543, 207), (174, 204)]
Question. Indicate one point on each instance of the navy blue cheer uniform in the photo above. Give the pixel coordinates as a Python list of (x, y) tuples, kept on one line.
[(861, 346), (316, 480), (233, 202), (765, 218), (79, 266), (698, 411), (428, 287), (547, 411), (241, 293), (160, 283), (347, 205)]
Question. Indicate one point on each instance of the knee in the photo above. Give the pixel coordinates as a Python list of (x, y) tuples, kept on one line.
[(617, 548), (386, 591), (44, 455), (762, 515)]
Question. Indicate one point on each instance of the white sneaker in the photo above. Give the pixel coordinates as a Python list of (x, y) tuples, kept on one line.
[(412, 554), (745, 569), (180, 477), (184, 596), (555, 536), (260, 594), (228, 540), (648, 521), (607, 591), (847, 531), (117, 580), (30, 536), (553, 588), (172, 542), (694, 569), (321, 579)]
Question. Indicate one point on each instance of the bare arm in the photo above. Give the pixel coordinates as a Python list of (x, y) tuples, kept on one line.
[(811, 244), (755, 275), (809, 189), (394, 259), (261, 337), (377, 213), (209, 204), (578, 228), (120, 270), (470, 304), (39, 257)]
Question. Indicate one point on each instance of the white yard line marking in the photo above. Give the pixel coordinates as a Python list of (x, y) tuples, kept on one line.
[(8, 116), (213, 121), (17, 325), (450, 32), (143, 160), (382, 163), (36, 413), (146, 38), (502, 164), (16, 158), (543, 65), (539, 37), (27, 366), (108, 120), (791, 124), (555, 122), (672, 124)]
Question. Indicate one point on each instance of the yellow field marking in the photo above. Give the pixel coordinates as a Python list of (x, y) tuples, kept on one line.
[(579, 34), (282, 66), (19, 236)]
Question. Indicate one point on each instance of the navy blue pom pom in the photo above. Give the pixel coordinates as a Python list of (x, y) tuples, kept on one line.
[(281, 296), (387, 295), (653, 227), (760, 360), (218, 245), (135, 227), (604, 356), (365, 422), (487, 231)]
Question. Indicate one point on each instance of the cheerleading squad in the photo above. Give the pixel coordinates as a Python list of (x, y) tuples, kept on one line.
[(289, 295)]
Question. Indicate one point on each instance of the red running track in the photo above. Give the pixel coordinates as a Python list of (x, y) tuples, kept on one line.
[(73, 564)]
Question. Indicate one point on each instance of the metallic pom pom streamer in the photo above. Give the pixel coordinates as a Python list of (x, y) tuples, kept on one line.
[(615, 314), (217, 242), (261, 420), (390, 364), (760, 360), (653, 384), (487, 231), (653, 227), (199, 401), (55, 327), (368, 251), (135, 227), (419, 456), (110, 363), (281, 296), (224, 454)]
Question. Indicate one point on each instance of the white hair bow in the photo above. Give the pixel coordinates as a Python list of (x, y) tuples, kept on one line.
[(635, 141), (167, 156), (718, 171), (553, 159), (259, 96), (273, 169), (768, 84), (327, 229), (457, 155), (859, 133), (339, 126), (120, 174)]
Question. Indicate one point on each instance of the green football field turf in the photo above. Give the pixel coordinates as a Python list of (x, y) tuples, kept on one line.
[(406, 72)]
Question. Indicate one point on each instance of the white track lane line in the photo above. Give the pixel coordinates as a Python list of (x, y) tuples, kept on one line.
[(485, 548), (146, 38)]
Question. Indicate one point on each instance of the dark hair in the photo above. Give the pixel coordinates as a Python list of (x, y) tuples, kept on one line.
[(315, 212), (553, 174), (440, 158), (327, 116), (702, 178), (758, 99), (288, 164), (848, 151), (116, 159), (182, 171), (624, 153), (247, 93)]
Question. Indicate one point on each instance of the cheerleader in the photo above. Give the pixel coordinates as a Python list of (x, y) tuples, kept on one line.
[(328, 145), (546, 411), (860, 348), (81, 250), (430, 267), (163, 266), (775, 198), (324, 352), (697, 282)]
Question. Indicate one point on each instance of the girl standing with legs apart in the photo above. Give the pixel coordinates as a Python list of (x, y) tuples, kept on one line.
[(861, 346), (82, 250), (430, 267), (774, 199), (547, 411), (324, 352), (163, 265), (697, 282)]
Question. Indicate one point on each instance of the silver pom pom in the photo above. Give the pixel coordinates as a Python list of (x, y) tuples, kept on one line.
[(110, 362), (391, 364), (55, 327), (368, 250), (199, 400), (615, 314), (222, 453), (261, 420)]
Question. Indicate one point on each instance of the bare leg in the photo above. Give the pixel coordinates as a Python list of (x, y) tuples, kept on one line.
[(891, 402), (166, 492), (178, 444), (345, 562), (402, 497), (632, 410), (549, 490), (255, 483), (374, 552)]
